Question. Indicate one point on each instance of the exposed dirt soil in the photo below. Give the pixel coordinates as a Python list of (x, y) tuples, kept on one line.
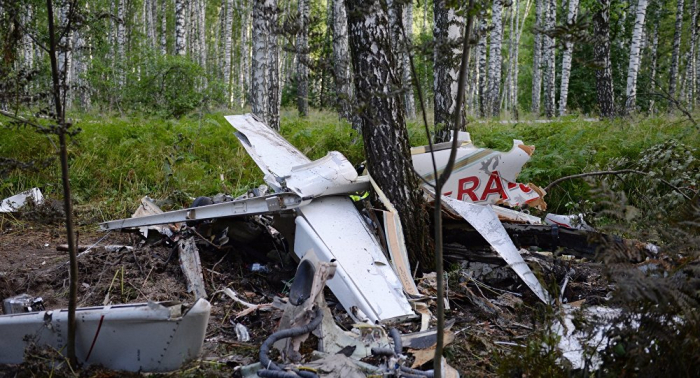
[(487, 319)]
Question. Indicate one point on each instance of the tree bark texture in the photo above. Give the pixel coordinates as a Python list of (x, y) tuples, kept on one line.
[(675, 54), (180, 37), (481, 65), (495, 59), (566, 59), (264, 67), (601, 52), (690, 73), (633, 69), (342, 69), (302, 50), (448, 31), (409, 98), (383, 125), (550, 60), (537, 57)]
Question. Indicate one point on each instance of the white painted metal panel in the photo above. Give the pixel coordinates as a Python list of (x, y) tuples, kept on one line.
[(332, 228), (146, 337), (270, 151)]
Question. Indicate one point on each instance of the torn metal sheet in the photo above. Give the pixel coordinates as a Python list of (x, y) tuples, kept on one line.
[(330, 175), (482, 175), (485, 221), (579, 346), (271, 152), (145, 337), (14, 203), (574, 221), (191, 267), (250, 206), (364, 282), (149, 208)]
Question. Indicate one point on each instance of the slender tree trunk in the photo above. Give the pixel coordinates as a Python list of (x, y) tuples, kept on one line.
[(244, 66), (550, 60), (601, 52), (264, 67), (406, 63), (566, 59), (690, 74), (633, 69), (383, 125), (228, 41), (448, 31), (495, 59), (180, 27), (303, 59), (537, 56), (481, 64), (654, 56), (342, 66), (163, 28), (675, 54), (65, 55)]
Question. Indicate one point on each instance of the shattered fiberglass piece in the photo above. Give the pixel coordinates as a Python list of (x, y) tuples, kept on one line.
[(482, 175), (146, 337), (17, 201), (485, 221)]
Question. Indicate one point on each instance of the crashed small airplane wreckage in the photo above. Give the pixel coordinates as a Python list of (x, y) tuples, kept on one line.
[(146, 337), (313, 210)]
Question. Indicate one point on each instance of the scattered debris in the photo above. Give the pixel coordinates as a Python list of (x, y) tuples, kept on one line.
[(192, 267), (146, 337), (22, 303), (14, 203)]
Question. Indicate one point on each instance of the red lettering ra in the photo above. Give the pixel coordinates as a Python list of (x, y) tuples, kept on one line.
[(494, 186), (462, 190)]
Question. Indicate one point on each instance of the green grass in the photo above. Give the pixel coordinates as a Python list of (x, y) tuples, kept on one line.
[(116, 160)]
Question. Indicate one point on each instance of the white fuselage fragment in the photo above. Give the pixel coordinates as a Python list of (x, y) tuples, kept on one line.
[(146, 337)]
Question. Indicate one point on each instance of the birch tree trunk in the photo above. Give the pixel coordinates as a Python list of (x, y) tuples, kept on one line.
[(481, 65), (409, 98), (633, 69), (180, 27), (448, 31), (65, 56), (383, 125), (495, 59), (566, 59), (675, 54), (121, 42), (690, 74), (245, 51), (550, 60), (654, 57), (342, 69), (537, 56), (601, 52), (227, 31), (264, 69), (302, 50), (163, 28)]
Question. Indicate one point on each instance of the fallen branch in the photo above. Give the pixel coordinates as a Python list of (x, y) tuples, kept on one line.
[(603, 173)]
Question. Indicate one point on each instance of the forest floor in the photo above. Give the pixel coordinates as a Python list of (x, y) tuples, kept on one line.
[(489, 320)]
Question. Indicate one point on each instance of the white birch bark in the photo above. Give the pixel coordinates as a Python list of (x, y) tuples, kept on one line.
[(448, 31), (201, 35), (245, 52), (27, 42), (180, 28), (549, 60), (675, 54), (481, 65), (690, 74), (65, 57), (163, 28), (264, 67), (537, 56), (227, 30), (566, 59), (342, 66), (495, 58), (633, 69), (409, 102), (302, 50), (121, 42)]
